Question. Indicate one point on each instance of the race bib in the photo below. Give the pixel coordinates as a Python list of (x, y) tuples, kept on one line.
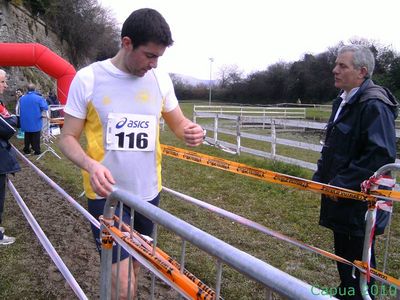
[(131, 132)]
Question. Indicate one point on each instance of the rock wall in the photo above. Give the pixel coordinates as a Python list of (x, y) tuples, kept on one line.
[(17, 25)]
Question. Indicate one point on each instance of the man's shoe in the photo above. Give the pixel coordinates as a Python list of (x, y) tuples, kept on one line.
[(2, 229), (37, 153), (7, 240)]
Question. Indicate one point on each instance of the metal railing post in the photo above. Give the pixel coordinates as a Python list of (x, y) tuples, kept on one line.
[(153, 277), (183, 255), (106, 254), (182, 261), (268, 294), (219, 279), (116, 292)]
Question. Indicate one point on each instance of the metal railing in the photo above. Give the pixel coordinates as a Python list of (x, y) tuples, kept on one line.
[(269, 276)]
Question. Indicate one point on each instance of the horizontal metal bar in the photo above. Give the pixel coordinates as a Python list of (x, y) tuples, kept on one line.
[(254, 268)]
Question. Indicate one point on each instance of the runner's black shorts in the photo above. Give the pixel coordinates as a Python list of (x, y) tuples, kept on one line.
[(141, 223)]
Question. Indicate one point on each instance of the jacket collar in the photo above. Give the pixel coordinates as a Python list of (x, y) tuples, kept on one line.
[(367, 82)]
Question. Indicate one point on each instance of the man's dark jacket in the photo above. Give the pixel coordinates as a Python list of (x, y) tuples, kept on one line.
[(8, 161), (359, 142)]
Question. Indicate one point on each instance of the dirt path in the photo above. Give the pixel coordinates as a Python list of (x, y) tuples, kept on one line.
[(70, 234)]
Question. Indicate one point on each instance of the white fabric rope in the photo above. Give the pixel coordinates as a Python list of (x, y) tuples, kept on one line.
[(63, 193), (46, 243)]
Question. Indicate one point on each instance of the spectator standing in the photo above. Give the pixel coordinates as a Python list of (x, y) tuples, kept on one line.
[(18, 95), (32, 104), (8, 161), (360, 138), (53, 100)]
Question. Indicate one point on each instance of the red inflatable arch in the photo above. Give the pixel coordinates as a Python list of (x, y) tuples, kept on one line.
[(32, 54)]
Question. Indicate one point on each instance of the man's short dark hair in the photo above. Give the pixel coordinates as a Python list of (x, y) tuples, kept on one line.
[(147, 25)]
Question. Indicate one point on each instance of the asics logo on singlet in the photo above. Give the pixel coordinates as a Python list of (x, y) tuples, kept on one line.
[(132, 123)]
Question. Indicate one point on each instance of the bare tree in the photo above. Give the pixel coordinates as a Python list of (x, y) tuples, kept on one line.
[(228, 75)]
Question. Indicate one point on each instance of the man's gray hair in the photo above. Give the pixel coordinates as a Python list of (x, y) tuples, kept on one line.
[(362, 57), (2, 72), (31, 87)]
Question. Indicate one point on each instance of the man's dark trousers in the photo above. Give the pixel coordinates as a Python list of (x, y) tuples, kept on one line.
[(351, 248), (32, 138)]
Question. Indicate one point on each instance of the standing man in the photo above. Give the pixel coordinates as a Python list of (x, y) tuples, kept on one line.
[(360, 138), (119, 102), (18, 95), (8, 161), (32, 104)]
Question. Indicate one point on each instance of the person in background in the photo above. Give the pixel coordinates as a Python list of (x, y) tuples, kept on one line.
[(360, 138), (8, 161), (32, 104), (52, 99), (103, 99), (18, 95)]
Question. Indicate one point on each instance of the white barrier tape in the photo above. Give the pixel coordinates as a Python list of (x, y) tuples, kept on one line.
[(46, 244)]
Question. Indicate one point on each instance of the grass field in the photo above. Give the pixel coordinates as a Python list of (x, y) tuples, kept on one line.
[(289, 211)]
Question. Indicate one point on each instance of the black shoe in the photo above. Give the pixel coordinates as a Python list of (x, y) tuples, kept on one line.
[(37, 153), (27, 151)]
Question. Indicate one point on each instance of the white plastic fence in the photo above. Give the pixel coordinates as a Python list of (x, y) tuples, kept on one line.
[(233, 125)]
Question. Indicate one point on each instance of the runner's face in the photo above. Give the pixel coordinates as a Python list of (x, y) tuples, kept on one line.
[(3, 83), (143, 58)]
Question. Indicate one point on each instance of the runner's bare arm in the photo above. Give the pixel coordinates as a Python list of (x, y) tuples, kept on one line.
[(101, 179), (183, 128)]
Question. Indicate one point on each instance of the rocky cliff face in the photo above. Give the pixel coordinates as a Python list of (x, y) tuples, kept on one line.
[(17, 25)]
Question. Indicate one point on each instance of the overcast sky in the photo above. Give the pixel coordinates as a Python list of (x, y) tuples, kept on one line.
[(254, 34)]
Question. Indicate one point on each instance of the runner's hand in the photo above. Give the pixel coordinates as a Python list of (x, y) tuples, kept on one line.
[(193, 134), (101, 179)]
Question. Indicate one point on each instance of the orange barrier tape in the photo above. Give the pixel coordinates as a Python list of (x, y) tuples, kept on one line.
[(287, 180), (168, 270), (275, 177), (377, 274), (166, 258)]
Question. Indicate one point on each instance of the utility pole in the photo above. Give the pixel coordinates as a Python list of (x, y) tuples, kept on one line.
[(210, 83)]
